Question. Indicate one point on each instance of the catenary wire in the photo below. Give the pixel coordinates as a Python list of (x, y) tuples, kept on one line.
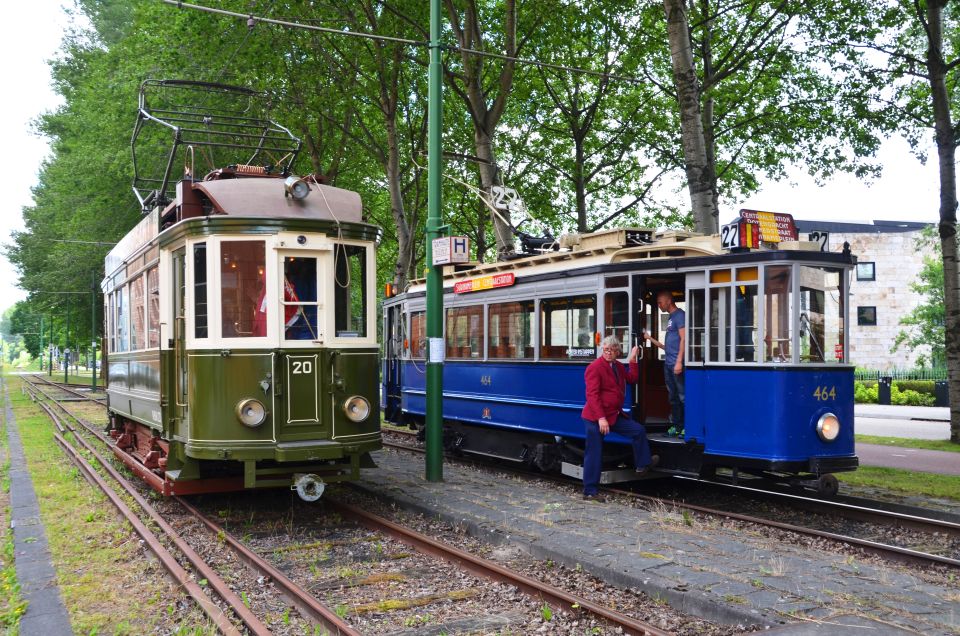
[(417, 43)]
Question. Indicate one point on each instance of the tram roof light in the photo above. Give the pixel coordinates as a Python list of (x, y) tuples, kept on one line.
[(296, 187)]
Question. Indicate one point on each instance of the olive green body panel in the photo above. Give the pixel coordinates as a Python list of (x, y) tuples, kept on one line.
[(134, 386)]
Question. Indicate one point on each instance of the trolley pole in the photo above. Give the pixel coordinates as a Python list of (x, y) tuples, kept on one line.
[(435, 348)]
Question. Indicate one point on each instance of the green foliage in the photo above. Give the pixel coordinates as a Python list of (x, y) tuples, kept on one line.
[(863, 394), (925, 322), (868, 393)]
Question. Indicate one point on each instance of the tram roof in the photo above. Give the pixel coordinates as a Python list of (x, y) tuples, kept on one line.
[(611, 247)]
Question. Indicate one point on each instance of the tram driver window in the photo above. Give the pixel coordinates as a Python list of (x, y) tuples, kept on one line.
[(300, 298), (242, 266), (350, 291), (777, 312), (821, 315)]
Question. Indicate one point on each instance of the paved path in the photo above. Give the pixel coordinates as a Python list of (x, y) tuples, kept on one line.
[(927, 461), (701, 567), (45, 613), (916, 422)]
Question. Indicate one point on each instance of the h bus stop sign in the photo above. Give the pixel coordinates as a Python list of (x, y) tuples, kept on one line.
[(451, 249)]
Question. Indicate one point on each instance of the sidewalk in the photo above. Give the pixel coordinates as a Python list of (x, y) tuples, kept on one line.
[(916, 422)]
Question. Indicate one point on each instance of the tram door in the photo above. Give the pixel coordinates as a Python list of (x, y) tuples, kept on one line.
[(393, 347), (651, 400), (179, 337)]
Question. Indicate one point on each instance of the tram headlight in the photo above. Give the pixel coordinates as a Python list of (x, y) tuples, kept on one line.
[(357, 408), (828, 427), (251, 412), (296, 187)]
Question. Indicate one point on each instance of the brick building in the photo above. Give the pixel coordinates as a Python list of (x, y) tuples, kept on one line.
[(888, 262)]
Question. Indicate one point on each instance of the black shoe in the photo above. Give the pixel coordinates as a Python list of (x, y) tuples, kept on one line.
[(654, 460), (595, 497)]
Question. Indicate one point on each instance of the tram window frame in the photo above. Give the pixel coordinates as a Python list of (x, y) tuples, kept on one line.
[(290, 291), (417, 335), (529, 346), (696, 325), (777, 347), (366, 269), (807, 322), (153, 307), (620, 331), (123, 329), (228, 250), (199, 261), (454, 335), (581, 352), (138, 313)]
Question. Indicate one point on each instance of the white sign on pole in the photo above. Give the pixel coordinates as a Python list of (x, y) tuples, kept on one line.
[(451, 249)]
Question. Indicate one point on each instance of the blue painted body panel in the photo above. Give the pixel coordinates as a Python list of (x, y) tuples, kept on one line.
[(766, 413)]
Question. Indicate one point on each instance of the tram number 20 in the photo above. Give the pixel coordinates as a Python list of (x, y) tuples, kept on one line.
[(825, 393), (302, 367)]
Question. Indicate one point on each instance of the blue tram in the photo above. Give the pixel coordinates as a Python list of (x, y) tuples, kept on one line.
[(769, 388)]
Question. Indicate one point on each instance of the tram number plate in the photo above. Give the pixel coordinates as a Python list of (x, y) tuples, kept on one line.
[(730, 236), (825, 393), (299, 367)]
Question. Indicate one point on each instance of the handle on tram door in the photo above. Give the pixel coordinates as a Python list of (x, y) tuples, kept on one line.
[(637, 344)]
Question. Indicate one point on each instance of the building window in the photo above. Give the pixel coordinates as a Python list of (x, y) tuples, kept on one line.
[(866, 271), (867, 316)]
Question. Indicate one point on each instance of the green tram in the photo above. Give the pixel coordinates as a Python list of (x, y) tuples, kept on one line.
[(241, 337)]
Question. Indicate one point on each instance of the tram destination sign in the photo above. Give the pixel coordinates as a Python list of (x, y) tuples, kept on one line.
[(774, 227), (484, 282)]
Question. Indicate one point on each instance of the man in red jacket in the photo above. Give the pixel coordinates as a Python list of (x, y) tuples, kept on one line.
[(605, 378)]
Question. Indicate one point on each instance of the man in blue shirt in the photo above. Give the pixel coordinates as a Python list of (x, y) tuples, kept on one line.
[(673, 346)]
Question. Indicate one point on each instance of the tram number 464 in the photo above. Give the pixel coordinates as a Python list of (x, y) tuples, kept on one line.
[(825, 393)]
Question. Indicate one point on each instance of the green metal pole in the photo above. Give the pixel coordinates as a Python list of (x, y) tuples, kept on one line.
[(434, 437), (50, 352), (66, 349), (41, 343), (93, 328)]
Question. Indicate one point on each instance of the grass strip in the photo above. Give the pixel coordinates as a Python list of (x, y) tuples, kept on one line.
[(12, 603), (904, 481), (904, 442), (108, 582)]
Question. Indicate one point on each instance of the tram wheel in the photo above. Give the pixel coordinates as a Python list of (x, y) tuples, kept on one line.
[(828, 485)]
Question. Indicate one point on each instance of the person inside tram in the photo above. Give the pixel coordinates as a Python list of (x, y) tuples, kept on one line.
[(673, 346), (605, 380), (300, 287)]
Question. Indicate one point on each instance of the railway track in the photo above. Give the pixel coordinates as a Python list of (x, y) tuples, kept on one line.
[(71, 389), (232, 613), (863, 513)]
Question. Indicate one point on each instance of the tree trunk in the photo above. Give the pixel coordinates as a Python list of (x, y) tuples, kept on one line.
[(405, 246), (946, 154), (489, 177), (699, 177), (580, 184)]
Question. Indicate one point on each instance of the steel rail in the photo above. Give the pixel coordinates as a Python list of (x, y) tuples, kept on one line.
[(217, 583), (180, 575), (896, 553), (300, 598), (64, 387), (493, 571)]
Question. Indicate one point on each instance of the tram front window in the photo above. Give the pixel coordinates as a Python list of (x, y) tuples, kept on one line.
[(300, 298), (821, 315), (242, 266)]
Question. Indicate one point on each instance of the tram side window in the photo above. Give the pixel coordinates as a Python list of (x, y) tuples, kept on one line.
[(418, 335), (137, 315), (300, 299), (567, 328), (153, 308), (465, 332), (778, 310), (350, 291), (112, 321), (200, 290), (821, 315), (696, 324), (511, 330), (719, 322), (242, 264), (123, 319), (616, 317), (747, 300)]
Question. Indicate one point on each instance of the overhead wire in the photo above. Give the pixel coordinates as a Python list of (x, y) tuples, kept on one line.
[(416, 43)]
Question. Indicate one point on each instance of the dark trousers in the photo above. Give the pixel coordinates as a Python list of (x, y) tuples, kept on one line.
[(675, 391), (593, 455)]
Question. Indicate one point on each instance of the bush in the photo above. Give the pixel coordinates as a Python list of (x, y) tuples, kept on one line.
[(920, 386), (909, 397), (863, 394)]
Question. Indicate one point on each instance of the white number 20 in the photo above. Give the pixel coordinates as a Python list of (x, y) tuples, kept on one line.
[(302, 367)]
